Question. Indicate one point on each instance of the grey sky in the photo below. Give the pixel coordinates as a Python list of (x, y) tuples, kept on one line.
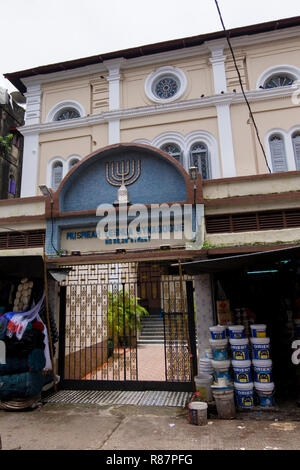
[(40, 32)]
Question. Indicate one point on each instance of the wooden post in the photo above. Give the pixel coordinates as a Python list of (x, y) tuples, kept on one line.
[(48, 322), (188, 336)]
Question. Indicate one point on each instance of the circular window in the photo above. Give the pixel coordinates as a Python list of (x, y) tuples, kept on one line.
[(166, 87), (165, 84)]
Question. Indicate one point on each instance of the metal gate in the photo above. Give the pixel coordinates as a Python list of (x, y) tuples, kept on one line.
[(102, 310)]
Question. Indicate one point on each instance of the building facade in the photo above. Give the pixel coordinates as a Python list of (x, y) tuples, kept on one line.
[(11, 148), (174, 106)]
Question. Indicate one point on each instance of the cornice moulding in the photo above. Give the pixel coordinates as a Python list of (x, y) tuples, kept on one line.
[(64, 74), (102, 67), (266, 37), (215, 100)]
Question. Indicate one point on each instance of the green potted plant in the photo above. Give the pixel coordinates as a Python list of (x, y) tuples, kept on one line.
[(124, 318)]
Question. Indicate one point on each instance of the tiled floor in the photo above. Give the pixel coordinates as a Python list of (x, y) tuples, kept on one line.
[(150, 365), (151, 362)]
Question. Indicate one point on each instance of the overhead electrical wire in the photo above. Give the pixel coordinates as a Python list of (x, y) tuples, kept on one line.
[(242, 87)]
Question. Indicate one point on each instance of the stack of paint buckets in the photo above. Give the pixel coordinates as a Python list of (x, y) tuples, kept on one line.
[(262, 365), (222, 388), (241, 364), (246, 390), (204, 380)]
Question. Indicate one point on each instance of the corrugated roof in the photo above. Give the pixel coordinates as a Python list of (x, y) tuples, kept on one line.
[(228, 263)]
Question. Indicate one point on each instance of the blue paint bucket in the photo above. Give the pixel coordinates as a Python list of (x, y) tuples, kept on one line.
[(219, 348), (218, 332), (221, 371), (259, 331), (264, 393), (239, 349), (262, 371), (260, 348), (236, 331), (244, 394), (242, 371)]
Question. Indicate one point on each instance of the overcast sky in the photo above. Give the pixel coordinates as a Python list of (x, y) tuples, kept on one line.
[(41, 32)]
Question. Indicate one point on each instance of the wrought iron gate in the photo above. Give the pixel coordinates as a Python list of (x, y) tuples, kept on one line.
[(102, 308)]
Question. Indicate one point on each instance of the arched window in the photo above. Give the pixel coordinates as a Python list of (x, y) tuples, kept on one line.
[(67, 113), (296, 146), (72, 163), (57, 175), (278, 155), (173, 150), (200, 159), (278, 80)]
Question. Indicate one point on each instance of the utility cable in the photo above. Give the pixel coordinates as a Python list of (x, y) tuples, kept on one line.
[(242, 87)]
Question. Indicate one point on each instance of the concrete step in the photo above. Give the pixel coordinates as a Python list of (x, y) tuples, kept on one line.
[(151, 338), (150, 341), (152, 333), (152, 330), (157, 318), (152, 317)]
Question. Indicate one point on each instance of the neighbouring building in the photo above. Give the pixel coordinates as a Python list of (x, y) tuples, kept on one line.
[(138, 120), (11, 146)]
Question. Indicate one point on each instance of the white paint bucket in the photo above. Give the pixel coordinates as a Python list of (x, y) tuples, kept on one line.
[(197, 413)]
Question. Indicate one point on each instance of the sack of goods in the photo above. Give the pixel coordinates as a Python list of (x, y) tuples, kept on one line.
[(26, 348)]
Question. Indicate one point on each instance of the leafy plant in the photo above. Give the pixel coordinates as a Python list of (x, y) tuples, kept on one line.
[(124, 316), (5, 143)]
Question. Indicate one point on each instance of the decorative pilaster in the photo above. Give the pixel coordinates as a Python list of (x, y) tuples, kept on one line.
[(113, 131), (31, 140), (30, 165), (226, 141), (218, 65), (33, 104), (223, 110), (114, 77)]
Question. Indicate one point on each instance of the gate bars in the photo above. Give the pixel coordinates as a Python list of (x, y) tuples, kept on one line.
[(101, 309)]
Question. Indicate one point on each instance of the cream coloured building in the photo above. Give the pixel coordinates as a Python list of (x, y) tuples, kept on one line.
[(183, 99), (184, 93)]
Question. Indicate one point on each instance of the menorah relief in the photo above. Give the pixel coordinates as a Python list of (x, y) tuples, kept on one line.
[(123, 174)]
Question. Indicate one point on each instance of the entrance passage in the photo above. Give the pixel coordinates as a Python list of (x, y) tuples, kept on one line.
[(127, 326)]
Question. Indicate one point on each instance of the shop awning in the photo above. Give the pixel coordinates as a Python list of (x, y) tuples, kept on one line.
[(21, 266), (227, 263)]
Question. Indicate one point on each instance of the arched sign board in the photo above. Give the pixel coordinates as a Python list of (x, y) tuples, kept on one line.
[(126, 196)]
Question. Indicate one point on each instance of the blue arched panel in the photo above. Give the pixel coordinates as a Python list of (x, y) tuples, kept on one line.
[(86, 188)]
